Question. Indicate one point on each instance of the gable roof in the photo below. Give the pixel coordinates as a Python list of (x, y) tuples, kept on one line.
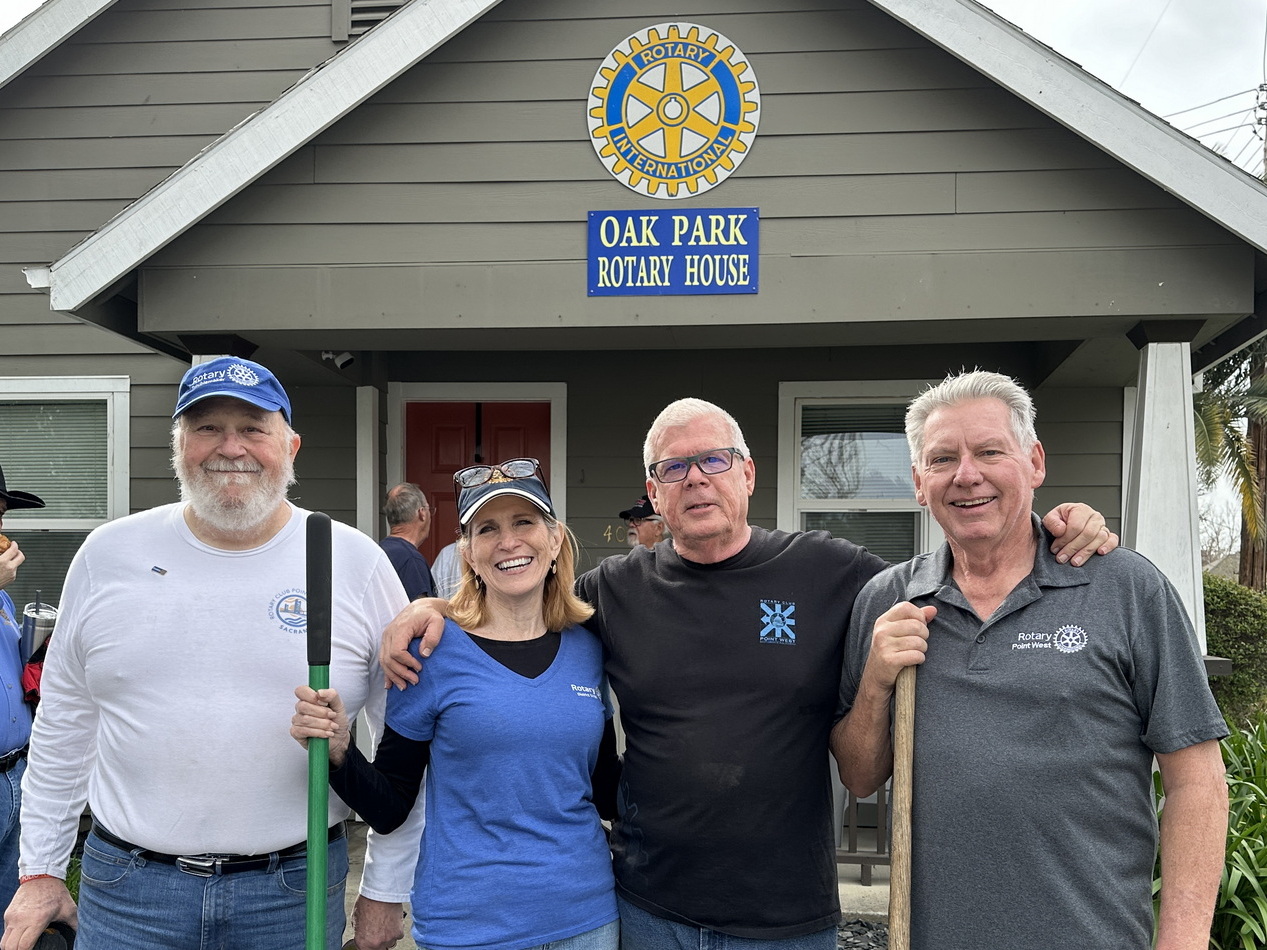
[(1093, 110), (42, 31), (1000, 51), (226, 166)]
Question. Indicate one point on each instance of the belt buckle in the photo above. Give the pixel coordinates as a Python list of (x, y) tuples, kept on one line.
[(199, 865)]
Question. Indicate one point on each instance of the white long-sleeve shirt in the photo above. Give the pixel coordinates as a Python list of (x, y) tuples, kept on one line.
[(168, 691)]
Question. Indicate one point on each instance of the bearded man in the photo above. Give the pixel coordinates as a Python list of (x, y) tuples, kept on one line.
[(167, 695)]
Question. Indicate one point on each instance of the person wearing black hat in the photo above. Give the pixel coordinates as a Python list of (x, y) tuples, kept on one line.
[(15, 723), (513, 731), (642, 524), (164, 693)]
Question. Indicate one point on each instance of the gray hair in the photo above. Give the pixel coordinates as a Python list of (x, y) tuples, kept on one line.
[(682, 412), (403, 503), (965, 387)]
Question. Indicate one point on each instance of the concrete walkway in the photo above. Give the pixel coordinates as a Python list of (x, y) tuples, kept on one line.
[(856, 902)]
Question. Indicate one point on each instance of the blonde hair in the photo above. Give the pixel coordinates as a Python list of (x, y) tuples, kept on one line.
[(561, 608)]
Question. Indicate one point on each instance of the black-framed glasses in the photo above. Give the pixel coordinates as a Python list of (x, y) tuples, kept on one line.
[(474, 475), (712, 462)]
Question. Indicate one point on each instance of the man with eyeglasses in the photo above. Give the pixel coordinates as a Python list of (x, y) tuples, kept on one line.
[(724, 650), (642, 525), (409, 524)]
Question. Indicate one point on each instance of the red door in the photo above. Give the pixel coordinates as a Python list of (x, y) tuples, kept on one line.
[(441, 437)]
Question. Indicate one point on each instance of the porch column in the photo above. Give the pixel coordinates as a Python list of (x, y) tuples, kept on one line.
[(1160, 510)]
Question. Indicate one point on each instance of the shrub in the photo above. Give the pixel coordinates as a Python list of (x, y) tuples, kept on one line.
[(1240, 915), (1236, 628)]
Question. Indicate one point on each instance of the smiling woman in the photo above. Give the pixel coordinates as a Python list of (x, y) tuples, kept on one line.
[(512, 730)]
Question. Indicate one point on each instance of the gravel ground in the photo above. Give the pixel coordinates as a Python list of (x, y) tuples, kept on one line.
[(862, 935)]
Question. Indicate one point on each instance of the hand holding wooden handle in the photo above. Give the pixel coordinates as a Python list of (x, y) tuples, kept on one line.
[(900, 851)]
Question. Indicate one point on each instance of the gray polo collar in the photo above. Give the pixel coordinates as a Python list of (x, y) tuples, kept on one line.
[(932, 571)]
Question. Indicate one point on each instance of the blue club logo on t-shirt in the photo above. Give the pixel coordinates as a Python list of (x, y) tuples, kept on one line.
[(778, 624)]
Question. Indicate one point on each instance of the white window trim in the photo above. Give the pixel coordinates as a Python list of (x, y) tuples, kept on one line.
[(116, 392), (880, 390), (398, 394)]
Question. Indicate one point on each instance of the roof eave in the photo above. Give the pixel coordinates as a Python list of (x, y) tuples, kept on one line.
[(1093, 110), (242, 155), (46, 28)]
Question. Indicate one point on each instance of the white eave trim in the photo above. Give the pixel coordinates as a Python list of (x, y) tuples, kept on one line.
[(232, 162), (1092, 109), (43, 30)]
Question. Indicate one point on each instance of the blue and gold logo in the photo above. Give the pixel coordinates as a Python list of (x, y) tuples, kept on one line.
[(674, 110)]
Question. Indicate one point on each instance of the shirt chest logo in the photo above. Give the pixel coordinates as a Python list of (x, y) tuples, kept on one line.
[(290, 609), (1069, 638), (777, 623)]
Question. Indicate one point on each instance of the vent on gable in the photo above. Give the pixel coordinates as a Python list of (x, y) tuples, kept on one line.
[(350, 18)]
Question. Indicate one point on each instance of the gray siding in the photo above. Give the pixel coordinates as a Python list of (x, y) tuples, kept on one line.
[(893, 181), (96, 124)]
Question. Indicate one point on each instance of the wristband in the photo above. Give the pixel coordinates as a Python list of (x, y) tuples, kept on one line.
[(35, 877)]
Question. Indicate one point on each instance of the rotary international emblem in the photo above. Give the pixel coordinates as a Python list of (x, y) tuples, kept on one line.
[(673, 110)]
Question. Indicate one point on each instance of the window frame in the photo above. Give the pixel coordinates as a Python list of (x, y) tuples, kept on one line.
[(792, 397), (115, 392)]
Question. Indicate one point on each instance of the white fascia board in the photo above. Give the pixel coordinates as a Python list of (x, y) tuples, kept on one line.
[(232, 162), (1092, 109), (42, 31)]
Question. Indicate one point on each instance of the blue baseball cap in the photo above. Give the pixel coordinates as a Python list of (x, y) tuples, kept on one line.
[(236, 377), (471, 500)]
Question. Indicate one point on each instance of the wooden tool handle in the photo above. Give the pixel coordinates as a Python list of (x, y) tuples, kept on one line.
[(900, 851)]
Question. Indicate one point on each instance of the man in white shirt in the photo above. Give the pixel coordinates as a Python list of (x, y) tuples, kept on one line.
[(166, 703)]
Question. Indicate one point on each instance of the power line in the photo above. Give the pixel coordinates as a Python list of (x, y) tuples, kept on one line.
[(1242, 112), (1210, 103), (1144, 46)]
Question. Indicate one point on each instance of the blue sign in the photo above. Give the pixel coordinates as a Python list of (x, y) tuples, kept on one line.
[(692, 251)]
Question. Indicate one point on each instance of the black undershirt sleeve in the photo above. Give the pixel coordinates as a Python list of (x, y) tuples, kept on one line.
[(384, 791)]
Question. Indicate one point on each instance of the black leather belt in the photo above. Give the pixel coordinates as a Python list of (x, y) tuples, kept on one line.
[(206, 865), (7, 762)]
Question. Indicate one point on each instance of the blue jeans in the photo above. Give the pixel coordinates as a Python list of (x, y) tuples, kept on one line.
[(127, 901), (10, 802), (640, 930)]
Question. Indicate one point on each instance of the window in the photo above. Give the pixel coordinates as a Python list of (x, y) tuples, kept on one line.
[(845, 468), (66, 440)]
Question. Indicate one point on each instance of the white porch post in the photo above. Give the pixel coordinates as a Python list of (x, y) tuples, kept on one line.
[(1160, 510)]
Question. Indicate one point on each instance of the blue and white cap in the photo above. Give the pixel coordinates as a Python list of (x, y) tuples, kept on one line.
[(236, 377), (471, 500)]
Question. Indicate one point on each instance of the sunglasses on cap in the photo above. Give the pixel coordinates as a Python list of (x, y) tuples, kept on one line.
[(474, 475)]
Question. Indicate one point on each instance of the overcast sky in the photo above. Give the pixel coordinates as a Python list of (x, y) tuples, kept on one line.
[(1197, 63)]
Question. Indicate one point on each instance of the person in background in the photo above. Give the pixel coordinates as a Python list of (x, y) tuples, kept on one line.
[(723, 649), (164, 698), (513, 732), (15, 727), (642, 524), (409, 521), (1043, 697), (447, 571)]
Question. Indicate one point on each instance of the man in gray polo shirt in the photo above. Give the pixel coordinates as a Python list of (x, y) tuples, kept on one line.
[(1044, 695)]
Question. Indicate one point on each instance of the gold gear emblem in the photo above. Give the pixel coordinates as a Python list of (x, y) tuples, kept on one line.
[(673, 110)]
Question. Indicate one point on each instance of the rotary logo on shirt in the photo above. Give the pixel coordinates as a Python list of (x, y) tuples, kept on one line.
[(290, 607), (1069, 638), (778, 624)]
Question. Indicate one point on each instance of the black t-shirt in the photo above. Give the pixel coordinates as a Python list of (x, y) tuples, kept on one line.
[(727, 676)]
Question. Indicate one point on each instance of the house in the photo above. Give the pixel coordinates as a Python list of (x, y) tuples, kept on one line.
[(445, 229)]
